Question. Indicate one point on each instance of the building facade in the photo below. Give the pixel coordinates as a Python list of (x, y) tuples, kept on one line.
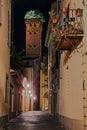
[(69, 39), (16, 94), (5, 19)]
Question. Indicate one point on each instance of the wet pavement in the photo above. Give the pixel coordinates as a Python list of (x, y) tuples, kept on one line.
[(34, 120)]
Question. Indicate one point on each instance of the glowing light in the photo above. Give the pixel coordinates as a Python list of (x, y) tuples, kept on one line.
[(28, 85), (31, 95), (34, 98), (29, 91)]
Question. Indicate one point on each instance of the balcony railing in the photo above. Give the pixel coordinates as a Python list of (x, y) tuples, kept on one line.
[(70, 33)]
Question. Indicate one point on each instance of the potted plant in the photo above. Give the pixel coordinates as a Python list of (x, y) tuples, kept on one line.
[(64, 10), (79, 12), (54, 20), (54, 16), (60, 30)]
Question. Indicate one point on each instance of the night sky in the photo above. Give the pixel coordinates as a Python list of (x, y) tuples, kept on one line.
[(20, 9)]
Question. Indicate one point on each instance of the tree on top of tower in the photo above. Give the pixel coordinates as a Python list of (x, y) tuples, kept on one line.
[(34, 14)]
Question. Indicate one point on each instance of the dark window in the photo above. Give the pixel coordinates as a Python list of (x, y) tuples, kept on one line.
[(34, 24), (34, 46), (30, 33), (34, 32), (30, 25), (30, 46)]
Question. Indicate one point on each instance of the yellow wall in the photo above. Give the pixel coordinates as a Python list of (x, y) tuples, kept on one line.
[(4, 56), (43, 101)]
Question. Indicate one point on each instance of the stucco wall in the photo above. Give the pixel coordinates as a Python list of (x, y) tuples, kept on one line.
[(4, 57), (72, 75), (70, 93)]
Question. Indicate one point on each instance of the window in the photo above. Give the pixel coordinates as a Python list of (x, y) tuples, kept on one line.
[(30, 46), (0, 11), (29, 32), (6, 89), (35, 46), (34, 32), (34, 24), (30, 24)]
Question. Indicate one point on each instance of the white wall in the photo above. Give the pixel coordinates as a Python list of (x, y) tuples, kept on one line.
[(70, 93)]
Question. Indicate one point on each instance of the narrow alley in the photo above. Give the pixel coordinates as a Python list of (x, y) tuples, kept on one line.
[(43, 65), (34, 120)]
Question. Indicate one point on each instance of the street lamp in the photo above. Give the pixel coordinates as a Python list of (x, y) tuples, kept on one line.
[(31, 95), (34, 98), (29, 91), (28, 85)]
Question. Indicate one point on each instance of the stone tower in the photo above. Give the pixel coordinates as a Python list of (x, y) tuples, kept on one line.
[(33, 37)]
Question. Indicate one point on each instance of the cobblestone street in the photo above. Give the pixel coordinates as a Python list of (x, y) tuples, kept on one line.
[(34, 120)]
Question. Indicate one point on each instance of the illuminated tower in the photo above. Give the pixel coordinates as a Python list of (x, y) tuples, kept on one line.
[(33, 35)]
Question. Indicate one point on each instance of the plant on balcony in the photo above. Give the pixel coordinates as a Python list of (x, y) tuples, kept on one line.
[(79, 12), (64, 10), (54, 16), (52, 37), (60, 30)]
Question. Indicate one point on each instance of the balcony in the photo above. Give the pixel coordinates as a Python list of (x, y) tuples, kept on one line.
[(68, 41), (70, 33)]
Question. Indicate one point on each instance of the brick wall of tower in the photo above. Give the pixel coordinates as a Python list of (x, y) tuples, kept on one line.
[(33, 37)]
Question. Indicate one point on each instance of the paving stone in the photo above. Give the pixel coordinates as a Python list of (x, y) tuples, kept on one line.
[(34, 120)]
